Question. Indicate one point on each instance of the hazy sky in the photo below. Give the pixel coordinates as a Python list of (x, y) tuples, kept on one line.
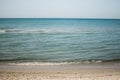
[(60, 8)]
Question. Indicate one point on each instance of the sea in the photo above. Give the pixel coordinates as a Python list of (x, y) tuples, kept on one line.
[(56, 41)]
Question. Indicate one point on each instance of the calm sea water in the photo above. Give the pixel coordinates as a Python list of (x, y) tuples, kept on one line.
[(59, 40)]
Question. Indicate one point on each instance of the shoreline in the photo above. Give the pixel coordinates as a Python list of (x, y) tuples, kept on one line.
[(101, 71), (54, 66)]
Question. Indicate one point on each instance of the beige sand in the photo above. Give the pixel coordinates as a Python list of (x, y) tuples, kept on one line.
[(89, 74), (59, 73)]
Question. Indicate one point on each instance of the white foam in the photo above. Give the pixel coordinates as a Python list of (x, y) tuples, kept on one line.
[(2, 31), (26, 31), (37, 63), (13, 30), (41, 31), (53, 63), (10, 30)]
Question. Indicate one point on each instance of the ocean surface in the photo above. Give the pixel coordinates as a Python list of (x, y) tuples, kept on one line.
[(59, 40)]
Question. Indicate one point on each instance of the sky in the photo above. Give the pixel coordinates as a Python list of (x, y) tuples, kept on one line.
[(60, 9)]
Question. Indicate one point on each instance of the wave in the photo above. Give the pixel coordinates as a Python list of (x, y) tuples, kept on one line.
[(39, 63), (25, 31), (49, 31), (53, 63), (9, 30), (2, 31)]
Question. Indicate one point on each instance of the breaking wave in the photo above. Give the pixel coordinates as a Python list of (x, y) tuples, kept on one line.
[(25, 31), (48, 31), (53, 63)]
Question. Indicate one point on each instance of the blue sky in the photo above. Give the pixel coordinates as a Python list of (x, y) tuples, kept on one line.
[(60, 9)]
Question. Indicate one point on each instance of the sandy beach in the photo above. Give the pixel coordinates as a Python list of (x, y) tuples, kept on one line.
[(61, 72)]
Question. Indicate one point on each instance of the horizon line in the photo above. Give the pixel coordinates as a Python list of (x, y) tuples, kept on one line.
[(53, 18)]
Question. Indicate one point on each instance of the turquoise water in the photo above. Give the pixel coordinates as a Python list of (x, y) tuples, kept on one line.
[(59, 40)]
